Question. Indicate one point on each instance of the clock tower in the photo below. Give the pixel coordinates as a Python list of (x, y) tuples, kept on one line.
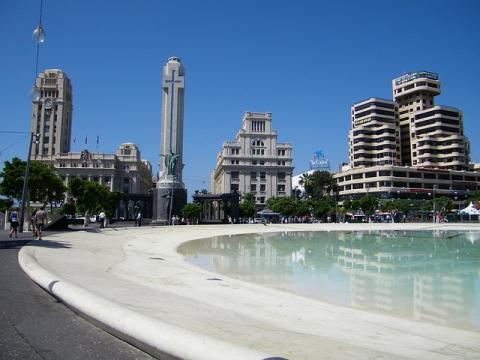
[(52, 114)]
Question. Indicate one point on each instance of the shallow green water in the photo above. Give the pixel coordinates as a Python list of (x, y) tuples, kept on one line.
[(420, 275)]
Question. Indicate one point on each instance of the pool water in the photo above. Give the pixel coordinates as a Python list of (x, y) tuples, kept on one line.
[(431, 276)]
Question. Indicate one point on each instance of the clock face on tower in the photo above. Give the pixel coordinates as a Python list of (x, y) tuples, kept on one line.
[(48, 103)]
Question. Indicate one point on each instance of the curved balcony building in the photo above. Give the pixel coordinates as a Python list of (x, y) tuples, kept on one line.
[(373, 138)]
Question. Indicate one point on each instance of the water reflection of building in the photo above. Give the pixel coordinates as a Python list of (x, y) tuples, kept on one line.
[(444, 298), (256, 260), (428, 276), (424, 285)]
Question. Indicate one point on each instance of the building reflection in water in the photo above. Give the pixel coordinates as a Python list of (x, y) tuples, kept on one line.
[(423, 275)]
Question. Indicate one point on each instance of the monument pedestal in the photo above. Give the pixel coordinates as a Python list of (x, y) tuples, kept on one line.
[(162, 200)]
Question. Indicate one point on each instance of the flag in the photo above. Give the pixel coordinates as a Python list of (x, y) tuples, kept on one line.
[(98, 139), (86, 140)]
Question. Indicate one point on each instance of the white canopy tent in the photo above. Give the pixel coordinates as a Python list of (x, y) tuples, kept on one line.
[(470, 210)]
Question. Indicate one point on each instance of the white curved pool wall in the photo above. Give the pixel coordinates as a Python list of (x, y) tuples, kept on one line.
[(139, 271)]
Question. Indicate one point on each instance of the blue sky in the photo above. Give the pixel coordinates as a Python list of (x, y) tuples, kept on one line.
[(304, 61)]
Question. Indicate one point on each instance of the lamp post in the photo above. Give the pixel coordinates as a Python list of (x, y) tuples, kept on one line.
[(25, 181), (39, 37), (434, 209)]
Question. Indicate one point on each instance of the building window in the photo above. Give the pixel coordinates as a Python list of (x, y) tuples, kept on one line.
[(281, 188), (106, 179), (262, 200), (233, 187), (253, 187), (234, 174), (253, 175), (262, 176)]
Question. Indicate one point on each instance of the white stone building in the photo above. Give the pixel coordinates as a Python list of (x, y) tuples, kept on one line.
[(254, 162), (123, 171)]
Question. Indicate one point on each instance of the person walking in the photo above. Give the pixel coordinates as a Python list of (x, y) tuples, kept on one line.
[(101, 219), (40, 220), (87, 219), (33, 222), (139, 219), (14, 220)]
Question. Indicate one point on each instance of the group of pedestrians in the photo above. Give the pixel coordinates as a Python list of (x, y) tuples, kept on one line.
[(101, 218), (37, 221)]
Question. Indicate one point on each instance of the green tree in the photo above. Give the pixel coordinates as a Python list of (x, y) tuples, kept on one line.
[(44, 184), (318, 185), (68, 208), (109, 201), (368, 203), (247, 206), (321, 208), (12, 178), (191, 211), (287, 206), (444, 204), (474, 196), (5, 204), (91, 196), (302, 208)]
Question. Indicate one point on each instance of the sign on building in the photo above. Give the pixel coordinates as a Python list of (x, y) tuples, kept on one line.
[(319, 162)]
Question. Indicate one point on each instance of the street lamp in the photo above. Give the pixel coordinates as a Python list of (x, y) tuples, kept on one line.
[(39, 37), (25, 180)]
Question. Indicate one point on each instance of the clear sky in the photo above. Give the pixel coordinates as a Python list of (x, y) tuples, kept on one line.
[(304, 61)]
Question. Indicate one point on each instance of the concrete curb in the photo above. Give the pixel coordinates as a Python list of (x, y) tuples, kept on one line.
[(157, 338)]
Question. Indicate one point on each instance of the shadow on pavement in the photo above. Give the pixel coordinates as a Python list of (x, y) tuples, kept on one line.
[(50, 244)]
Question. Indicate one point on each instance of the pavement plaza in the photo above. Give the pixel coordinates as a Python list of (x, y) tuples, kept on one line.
[(133, 282)]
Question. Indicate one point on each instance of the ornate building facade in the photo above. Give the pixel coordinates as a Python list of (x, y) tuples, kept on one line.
[(255, 162), (123, 171)]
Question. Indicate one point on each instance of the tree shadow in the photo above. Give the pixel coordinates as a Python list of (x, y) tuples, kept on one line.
[(50, 244)]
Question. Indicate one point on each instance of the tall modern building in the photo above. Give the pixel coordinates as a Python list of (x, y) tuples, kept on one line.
[(254, 162), (52, 113), (373, 138), (408, 147), (430, 135), (170, 195)]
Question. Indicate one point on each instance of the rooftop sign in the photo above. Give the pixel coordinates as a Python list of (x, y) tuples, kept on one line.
[(319, 162), (415, 75)]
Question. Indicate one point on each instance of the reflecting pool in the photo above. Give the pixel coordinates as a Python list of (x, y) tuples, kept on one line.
[(431, 276)]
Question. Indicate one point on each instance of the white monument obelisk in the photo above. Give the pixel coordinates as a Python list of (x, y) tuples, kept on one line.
[(170, 195)]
